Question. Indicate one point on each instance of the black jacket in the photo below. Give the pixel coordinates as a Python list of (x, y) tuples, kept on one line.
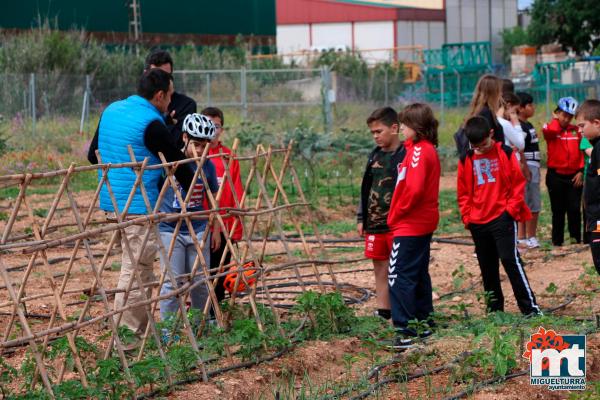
[(182, 105), (591, 188), (367, 181)]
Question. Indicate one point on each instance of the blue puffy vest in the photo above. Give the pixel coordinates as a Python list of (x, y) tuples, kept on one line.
[(123, 123)]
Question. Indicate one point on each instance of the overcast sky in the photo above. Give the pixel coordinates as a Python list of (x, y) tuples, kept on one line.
[(524, 3)]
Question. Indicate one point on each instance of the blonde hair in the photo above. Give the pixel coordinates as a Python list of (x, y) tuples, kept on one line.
[(488, 92)]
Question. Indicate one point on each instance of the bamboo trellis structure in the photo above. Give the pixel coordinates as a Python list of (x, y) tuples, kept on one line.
[(46, 295)]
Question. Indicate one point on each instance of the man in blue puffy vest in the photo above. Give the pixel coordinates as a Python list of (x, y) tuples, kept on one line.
[(137, 121)]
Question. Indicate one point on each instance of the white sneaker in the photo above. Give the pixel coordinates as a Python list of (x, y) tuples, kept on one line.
[(533, 243), (522, 243)]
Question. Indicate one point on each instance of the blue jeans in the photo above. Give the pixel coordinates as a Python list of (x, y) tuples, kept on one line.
[(182, 262)]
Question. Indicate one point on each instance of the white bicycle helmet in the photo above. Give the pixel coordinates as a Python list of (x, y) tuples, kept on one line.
[(198, 126), (568, 105)]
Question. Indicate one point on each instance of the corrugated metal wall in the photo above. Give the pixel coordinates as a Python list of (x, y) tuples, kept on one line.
[(479, 20), (466, 21), (231, 17)]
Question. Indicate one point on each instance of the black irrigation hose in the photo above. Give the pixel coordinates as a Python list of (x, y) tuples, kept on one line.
[(56, 260), (212, 374), (400, 378), (461, 291), (366, 293), (569, 299), (247, 364), (353, 271), (296, 239), (485, 383), (396, 379)]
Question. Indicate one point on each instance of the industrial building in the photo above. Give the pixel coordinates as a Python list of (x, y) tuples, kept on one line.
[(149, 21), (372, 26)]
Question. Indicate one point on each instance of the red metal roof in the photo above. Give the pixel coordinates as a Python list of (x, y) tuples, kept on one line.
[(323, 11)]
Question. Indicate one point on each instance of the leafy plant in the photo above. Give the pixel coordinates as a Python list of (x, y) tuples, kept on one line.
[(245, 333), (148, 371), (327, 314), (459, 276), (551, 288), (108, 380), (72, 389), (7, 374), (182, 359)]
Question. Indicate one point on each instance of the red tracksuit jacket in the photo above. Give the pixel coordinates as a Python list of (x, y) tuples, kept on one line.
[(227, 199), (563, 148), (414, 206), (489, 184)]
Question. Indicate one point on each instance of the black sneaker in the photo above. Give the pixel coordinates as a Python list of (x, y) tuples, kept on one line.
[(401, 343), (425, 334)]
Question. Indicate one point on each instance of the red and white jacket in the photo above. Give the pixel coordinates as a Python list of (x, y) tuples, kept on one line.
[(564, 154), (414, 207), (490, 184), (227, 199)]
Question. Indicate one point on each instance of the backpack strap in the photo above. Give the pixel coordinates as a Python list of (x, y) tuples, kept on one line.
[(507, 150)]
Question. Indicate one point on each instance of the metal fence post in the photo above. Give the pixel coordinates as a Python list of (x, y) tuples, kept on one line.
[(548, 94), (385, 89), (208, 89), (457, 87), (244, 89), (326, 92), (442, 95), (32, 98), (85, 108)]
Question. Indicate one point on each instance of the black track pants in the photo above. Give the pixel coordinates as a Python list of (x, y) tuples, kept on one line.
[(494, 242), (564, 198), (409, 280)]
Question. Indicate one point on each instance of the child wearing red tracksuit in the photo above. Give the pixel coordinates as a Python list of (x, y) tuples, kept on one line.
[(564, 178), (490, 191), (227, 196), (413, 217)]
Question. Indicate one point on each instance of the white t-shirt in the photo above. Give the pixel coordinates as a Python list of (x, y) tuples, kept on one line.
[(514, 136)]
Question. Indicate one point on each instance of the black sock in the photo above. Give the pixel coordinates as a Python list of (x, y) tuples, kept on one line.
[(385, 314)]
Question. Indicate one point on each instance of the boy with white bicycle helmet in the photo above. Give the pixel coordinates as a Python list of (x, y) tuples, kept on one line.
[(564, 178), (198, 131)]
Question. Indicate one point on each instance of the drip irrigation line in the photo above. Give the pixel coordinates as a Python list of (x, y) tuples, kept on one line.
[(387, 381), (485, 383), (27, 315), (569, 299), (56, 260), (243, 365), (349, 271), (216, 372), (297, 239), (461, 291), (402, 378)]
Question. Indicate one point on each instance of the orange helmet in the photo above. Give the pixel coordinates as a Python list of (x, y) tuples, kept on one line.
[(230, 278)]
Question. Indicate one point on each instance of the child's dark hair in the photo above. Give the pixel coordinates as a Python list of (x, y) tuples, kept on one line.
[(525, 98), (152, 82), (420, 118), (511, 99), (477, 129), (589, 110), (214, 112), (507, 86), (386, 115), (158, 57)]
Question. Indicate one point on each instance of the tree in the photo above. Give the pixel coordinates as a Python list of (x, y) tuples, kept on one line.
[(575, 24), (513, 37)]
